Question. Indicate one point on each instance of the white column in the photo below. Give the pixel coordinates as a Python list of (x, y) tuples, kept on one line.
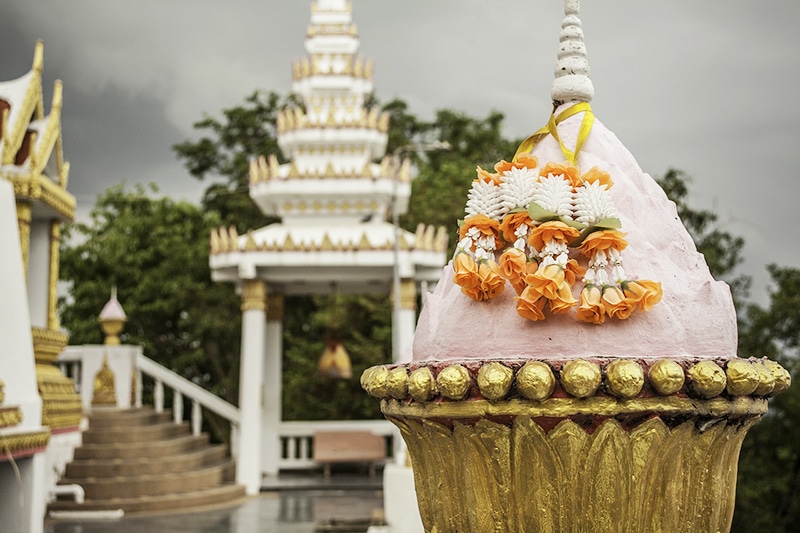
[(404, 321), (271, 414), (254, 326)]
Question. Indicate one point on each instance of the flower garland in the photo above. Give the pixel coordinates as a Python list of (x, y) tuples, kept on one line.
[(522, 224)]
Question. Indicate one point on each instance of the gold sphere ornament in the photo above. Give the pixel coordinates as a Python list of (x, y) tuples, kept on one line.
[(666, 377), (707, 379), (494, 381), (624, 378), (782, 377), (581, 378), (397, 383), (535, 381), (453, 382), (374, 381), (421, 384), (766, 379), (742, 377)]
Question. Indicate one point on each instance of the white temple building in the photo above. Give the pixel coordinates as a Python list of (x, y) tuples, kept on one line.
[(334, 198)]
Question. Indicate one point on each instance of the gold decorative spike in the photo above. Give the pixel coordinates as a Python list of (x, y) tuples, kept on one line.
[(305, 67), (281, 122), (330, 172), (293, 172), (299, 117), (223, 240), (367, 170), (274, 167), (315, 68), (368, 69), (288, 244), (295, 70), (364, 243), (331, 122), (38, 56), (255, 174), (372, 118), (32, 159), (104, 390), (250, 245), (362, 118), (428, 241), (358, 68), (263, 168), (419, 236), (402, 243), (327, 244), (404, 174), (234, 239), (441, 239), (386, 167), (213, 242), (383, 123)]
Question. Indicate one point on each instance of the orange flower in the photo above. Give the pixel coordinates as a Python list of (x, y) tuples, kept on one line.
[(601, 176), (570, 172), (642, 293), (465, 271), (530, 305), (591, 309), (564, 300), (488, 177), (603, 240), (523, 161), (617, 306), (514, 267), (487, 226), (511, 222), (547, 281), (573, 272), (552, 231), (492, 283)]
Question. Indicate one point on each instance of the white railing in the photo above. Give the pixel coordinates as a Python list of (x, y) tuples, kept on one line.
[(182, 387), (297, 439)]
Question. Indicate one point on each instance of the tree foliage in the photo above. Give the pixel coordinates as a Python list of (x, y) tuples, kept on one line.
[(155, 252)]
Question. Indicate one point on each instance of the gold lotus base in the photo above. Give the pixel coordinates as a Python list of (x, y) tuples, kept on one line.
[(61, 406), (576, 465)]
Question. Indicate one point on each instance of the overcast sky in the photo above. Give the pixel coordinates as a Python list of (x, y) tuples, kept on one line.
[(707, 87)]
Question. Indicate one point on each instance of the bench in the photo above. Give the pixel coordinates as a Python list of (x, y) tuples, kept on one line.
[(348, 447)]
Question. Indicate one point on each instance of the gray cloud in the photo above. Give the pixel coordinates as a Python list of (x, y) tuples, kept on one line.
[(702, 86)]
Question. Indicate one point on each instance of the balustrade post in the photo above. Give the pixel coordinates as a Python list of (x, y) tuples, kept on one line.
[(197, 418), (158, 396), (177, 407), (138, 398), (234, 446)]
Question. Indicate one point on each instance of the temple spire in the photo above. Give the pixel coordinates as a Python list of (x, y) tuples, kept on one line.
[(572, 83)]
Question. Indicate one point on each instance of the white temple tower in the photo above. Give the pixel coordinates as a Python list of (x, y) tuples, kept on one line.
[(334, 198)]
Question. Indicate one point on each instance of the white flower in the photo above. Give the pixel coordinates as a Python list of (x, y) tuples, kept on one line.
[(516, 189), (554, 193), (484, 199), (593, 203)]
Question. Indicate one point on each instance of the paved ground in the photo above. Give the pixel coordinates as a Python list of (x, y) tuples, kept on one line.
[(298, 510)]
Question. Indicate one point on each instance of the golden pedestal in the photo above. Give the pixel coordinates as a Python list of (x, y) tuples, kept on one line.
[(61, 405), (625, 446)]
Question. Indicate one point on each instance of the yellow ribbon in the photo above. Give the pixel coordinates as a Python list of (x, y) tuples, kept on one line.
[(552, 129)]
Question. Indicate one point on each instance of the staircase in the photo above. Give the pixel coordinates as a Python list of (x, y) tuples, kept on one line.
[(138, 460)]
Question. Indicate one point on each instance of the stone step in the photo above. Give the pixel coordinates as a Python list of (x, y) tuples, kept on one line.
[(99, 468), (155, 449), (126, 487), (228, 493), (142, 434), (126, 418)]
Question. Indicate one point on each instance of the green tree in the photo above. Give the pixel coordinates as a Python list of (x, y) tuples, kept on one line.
[(223, 154), (768, 491), (155, 252)]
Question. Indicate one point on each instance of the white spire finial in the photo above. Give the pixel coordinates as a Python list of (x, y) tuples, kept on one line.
[(572, 83)]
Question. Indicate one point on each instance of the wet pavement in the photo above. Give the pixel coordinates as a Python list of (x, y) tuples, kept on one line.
[(298, 510)]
